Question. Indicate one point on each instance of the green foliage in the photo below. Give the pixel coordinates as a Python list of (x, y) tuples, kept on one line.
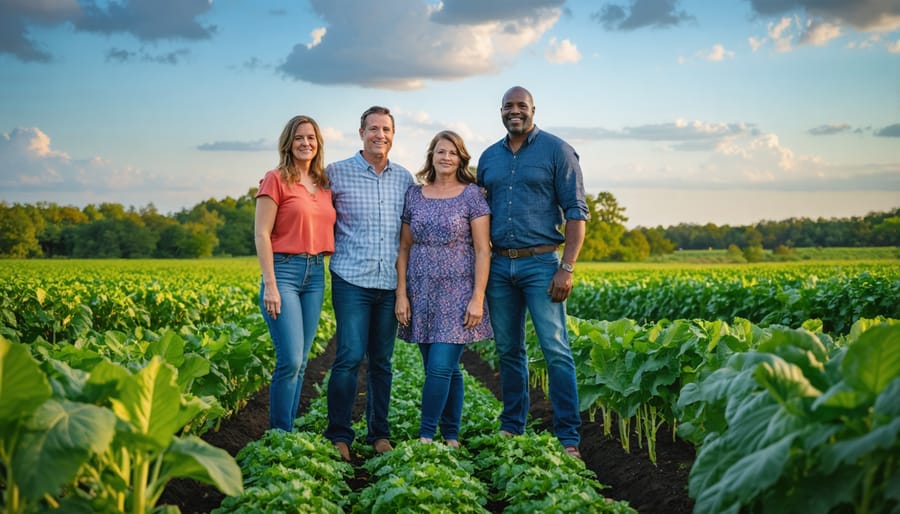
[(785, 294), (801, 425), (99, 436)]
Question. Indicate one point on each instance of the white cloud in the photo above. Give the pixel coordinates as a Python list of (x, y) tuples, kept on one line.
[(865, 15), (30, 163), (894, 47), (708, 155), (819, 34), (561, 52), (410, 47), (716, 53), (316, 36)]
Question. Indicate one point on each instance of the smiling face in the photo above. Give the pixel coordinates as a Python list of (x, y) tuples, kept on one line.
[(517, 111), (445, 159), (305, 145), (377, 136)]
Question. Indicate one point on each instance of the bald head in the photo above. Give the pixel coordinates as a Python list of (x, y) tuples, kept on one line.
[(517, 111), (517, 90)]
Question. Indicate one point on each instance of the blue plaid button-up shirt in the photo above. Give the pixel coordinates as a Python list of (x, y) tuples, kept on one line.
[(367, 232)]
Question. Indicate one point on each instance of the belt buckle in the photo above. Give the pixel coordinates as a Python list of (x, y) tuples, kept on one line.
[(513, 253)]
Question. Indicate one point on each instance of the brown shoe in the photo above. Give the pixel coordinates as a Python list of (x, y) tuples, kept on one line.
[(573, 451), (344, 450), (382, 446)]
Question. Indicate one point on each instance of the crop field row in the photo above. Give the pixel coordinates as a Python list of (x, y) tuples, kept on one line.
[(785, 377)]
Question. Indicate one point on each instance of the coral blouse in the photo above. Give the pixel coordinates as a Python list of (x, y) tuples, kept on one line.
[(304, 222)]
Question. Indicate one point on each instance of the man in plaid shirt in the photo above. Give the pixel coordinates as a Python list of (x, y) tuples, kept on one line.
[(368, 191)]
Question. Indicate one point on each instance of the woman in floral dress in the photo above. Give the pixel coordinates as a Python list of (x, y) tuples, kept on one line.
[(443, 269)]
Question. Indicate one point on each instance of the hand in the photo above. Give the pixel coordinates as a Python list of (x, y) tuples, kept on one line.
[(474, 313), (402, 310), (272, 302), (560, 286)]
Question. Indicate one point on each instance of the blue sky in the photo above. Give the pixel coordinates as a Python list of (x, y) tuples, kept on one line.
[(732, 111)]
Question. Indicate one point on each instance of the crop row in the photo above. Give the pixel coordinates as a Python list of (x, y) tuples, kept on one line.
[(785, 294), (774, 412), (301, 472)]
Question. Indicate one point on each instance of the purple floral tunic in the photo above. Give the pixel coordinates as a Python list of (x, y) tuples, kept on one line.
[(441, 270)]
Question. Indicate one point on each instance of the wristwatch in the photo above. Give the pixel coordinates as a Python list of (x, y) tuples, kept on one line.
[(568, 267)]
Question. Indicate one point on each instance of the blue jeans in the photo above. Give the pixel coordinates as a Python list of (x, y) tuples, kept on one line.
[(366, 328), (300, 279), (442, 394), (513, 286)]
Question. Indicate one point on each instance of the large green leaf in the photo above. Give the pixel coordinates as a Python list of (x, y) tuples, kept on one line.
[(786, 384), (873, 361), (23, 386), (150, 402), (61, 436), (192, 457), (848, 451)]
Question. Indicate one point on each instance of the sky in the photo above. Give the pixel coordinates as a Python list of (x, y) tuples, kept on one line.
[(687, 111)]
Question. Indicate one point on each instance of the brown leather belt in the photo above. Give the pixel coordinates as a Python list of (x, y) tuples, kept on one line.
[(515, 253)]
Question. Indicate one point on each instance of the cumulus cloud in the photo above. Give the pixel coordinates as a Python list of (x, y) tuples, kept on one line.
[(19, 15), (829, 129), (475, 12), (147, 20), (410, 46), (865, 15), (260, 145), (820, 33), (716, 53), (561, 52), (889, 131), (641, 13), (686, 135), (817, 23), (29, 163), (733, 155)]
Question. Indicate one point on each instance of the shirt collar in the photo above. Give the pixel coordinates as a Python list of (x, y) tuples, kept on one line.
[(528, 140), (365, 164)]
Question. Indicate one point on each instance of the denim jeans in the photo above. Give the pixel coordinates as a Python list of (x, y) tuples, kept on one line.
[(366, 328), (513, 286), (300, 279), (442, 394)]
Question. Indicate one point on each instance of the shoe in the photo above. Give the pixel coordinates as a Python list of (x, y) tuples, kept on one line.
[(425, 440), (344, 450), (382, 446), (573, 451), (507, 433), (452, 443)]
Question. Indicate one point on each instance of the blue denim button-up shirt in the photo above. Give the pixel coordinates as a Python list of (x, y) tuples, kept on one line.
[(367, 231), (532, 191)]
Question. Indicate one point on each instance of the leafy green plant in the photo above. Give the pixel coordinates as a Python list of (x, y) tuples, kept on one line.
[(795, 427)]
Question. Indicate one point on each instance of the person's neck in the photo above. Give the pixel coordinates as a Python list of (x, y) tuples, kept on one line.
[(378, 161), (445, 181), (515, 141)]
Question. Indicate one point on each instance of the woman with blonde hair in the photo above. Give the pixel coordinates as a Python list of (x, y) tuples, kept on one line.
[(294, 231)]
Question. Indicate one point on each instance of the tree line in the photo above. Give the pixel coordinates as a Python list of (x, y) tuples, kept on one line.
[(225, 228)]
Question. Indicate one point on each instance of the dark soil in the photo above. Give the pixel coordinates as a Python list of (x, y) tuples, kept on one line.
[(631, 477)]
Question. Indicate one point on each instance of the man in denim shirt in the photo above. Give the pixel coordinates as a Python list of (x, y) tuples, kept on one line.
[(534, 183), (368, 191)]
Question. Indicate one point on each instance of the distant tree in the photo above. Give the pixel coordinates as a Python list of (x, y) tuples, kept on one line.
[(656, 238), (634, 247), (735, 254), (18, 237), (754, 253), (887, 233)]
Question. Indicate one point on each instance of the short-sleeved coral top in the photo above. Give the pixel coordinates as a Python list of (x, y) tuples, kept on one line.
[(304, 222)]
